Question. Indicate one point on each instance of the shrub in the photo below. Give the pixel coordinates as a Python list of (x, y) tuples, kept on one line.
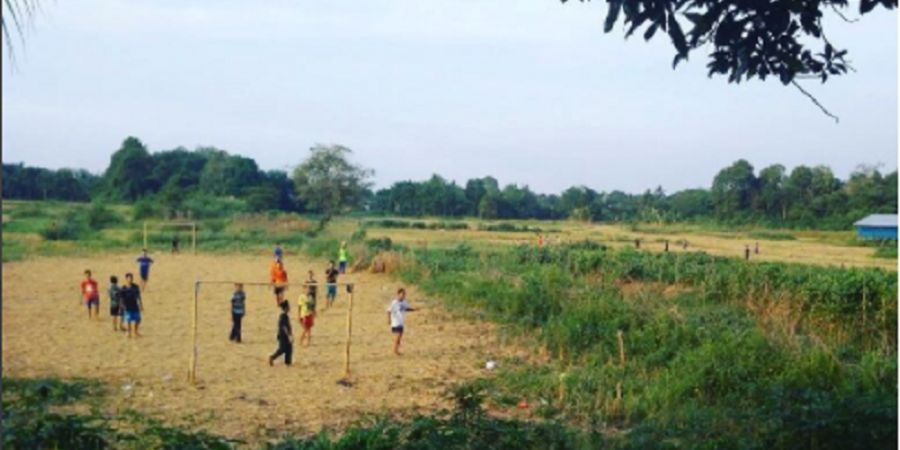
[(71, 228), (772, 235), (99, 217)]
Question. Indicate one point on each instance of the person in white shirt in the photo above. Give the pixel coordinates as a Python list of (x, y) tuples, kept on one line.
[(396, 317)]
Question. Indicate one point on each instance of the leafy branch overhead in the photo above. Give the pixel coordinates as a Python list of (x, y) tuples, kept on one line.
[(749, 38)]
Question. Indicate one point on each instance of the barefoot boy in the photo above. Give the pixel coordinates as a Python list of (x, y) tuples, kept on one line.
[(144, 262), (115, 304), (131, 302), (331, 275), (308, 310), (279, 278), (285, 337), (237, 312), (90, 294), (396, 317)]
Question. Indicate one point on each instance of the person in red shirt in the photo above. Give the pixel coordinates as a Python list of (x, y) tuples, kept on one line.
[(278, 277), (90, 294)]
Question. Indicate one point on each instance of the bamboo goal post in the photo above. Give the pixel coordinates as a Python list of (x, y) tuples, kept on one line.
[(195, 354), (193, 226)]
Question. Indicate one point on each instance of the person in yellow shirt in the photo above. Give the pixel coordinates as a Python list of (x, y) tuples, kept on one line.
[(343, 257), (307, 305)]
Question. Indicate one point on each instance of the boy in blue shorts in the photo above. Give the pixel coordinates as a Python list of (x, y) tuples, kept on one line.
[(331, 275), (130, 296), (144, 262)]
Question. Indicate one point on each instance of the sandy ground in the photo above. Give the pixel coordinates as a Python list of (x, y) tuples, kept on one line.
[(46, 332)]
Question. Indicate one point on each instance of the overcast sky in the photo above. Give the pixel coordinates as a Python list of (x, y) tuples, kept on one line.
[(529, 91)]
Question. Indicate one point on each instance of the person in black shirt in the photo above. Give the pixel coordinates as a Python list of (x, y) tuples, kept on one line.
[(130, 294), (331, 278), (285, 337)]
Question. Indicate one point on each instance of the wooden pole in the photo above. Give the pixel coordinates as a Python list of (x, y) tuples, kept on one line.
[(349, 333), (194, 237), (145, 234), (621, 347), (192, 372)]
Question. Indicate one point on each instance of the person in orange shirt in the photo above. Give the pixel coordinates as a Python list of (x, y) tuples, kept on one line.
[(90, 294), (279, 278)]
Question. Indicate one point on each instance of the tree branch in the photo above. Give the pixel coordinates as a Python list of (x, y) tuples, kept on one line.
[(815, 101)]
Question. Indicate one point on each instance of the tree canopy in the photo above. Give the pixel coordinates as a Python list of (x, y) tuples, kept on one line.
[(328, 182)]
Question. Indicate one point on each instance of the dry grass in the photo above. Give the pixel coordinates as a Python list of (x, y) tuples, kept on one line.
[(818, 248), (46, 332)]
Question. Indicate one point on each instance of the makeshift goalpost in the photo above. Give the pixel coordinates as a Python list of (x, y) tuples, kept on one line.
[(192, 369), (192, 225)]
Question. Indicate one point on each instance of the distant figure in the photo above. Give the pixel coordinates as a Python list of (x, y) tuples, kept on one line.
[(541, 240), (175, 244), (115, 304), (331, 275), (747, 252), (285, 337), (144, 262), (131, 302), (279, 253), (238, 310), (397, 317), (343, 257), (684, 245), (637, 243), (90, 294), (756, 249), (279, 278), (667, 246)]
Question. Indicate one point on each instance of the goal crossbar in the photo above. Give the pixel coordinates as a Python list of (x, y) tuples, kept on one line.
[(192, 225), (192, 369)]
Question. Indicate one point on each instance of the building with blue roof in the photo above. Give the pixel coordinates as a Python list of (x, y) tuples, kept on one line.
[(877, 226)]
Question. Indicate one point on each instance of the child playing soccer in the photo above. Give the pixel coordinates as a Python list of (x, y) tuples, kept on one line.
[(285, 337), (331, 278), (115, 304), (278, 277), (90, 294), (396, 317), (308, 310), (144, 262), (131, 302), (237, 312), (343, 256)]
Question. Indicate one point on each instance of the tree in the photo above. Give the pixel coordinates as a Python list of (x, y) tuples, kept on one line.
[(748, 39), (771, 198), (733, 189), (328, 182), (128, 176)]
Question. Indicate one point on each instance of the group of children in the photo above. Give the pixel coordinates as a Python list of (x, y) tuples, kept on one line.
[(125, 304), (306, 304)]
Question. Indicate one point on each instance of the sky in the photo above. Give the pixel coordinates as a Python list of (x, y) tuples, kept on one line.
[(529, 91)]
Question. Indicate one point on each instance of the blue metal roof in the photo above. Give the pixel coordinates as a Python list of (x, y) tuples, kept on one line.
[(878, 220)]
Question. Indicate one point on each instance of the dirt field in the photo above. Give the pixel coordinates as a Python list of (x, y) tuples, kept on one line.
[(803, 250), (46, 332)]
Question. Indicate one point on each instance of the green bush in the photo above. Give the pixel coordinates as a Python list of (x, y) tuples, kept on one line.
[(99, 217), (71, 227), (145, 208), (887, 252)]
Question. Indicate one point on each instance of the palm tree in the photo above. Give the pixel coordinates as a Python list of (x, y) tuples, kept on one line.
[(20, 13)]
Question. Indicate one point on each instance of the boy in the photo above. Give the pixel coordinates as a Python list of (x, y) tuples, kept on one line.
[(237, 312), (278, 277), (144, 262), (90, 294), (331, 278), (175, 244), (308, 310), (285, 337), (131, 302), (343, 256), (115, 304), (396, 317)]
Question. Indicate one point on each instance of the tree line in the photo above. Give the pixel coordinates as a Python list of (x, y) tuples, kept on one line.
[(208, 181)]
